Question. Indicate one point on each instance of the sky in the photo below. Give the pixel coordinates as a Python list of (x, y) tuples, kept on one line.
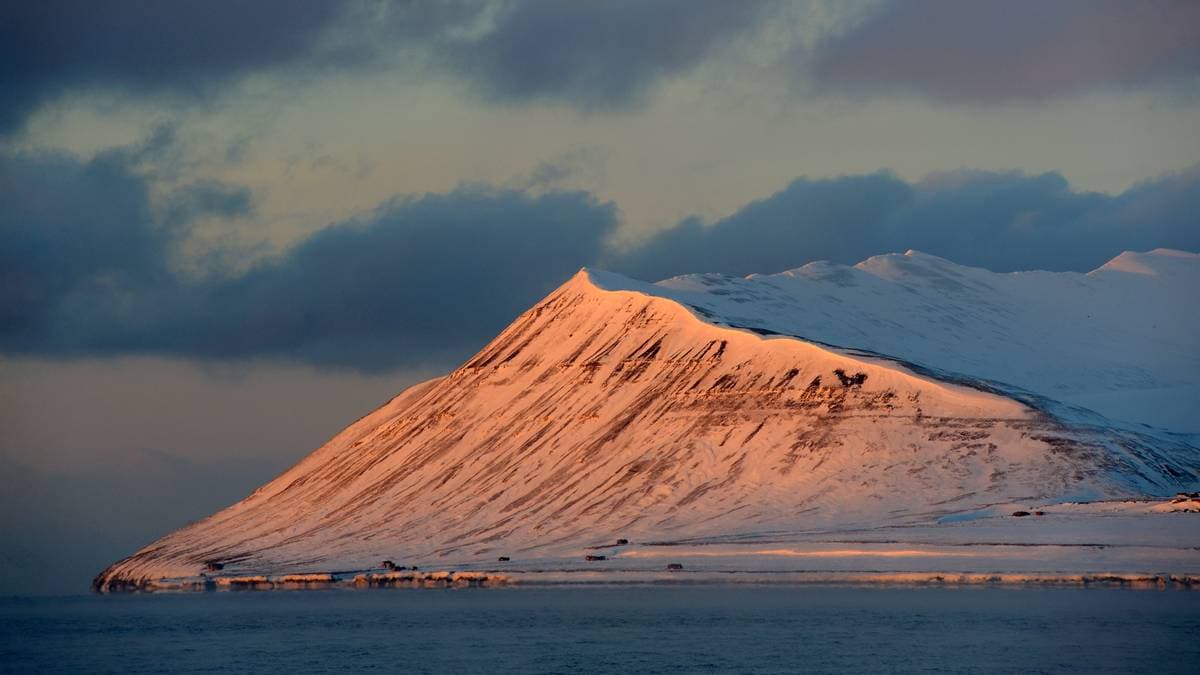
[(229, 229)]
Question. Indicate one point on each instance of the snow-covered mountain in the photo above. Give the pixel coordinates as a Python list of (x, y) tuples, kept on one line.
[(711, 409), (1120, 340)]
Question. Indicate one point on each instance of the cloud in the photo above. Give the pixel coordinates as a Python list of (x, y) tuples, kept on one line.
[(208, 198), (1001, 221), (90, 253), (51, 47), (422, 279), (596, 55), (592, 55), (85, 269), (810, 218), (579, 164), (70, 229), (983, 52)]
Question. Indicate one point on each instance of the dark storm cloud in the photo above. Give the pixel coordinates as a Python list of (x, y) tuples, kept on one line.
[(980, 51), (84, 270), (85, 251), (591, 54), (1001, 221), (69, 230), (421, 280), (50, 47), (821, 218), (596, 54)]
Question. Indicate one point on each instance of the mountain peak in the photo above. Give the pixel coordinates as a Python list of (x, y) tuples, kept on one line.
[(714, 408), (1073, 338), (1154, 263)]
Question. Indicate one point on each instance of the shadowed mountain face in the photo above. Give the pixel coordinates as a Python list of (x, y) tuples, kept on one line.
[(609, 410)]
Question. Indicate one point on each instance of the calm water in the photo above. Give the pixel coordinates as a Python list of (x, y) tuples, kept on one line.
[(640, 629)]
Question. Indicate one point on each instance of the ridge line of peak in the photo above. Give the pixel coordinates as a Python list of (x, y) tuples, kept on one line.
[(902, 367)]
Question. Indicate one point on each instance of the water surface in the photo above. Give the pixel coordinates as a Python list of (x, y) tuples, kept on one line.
[(617, 629)]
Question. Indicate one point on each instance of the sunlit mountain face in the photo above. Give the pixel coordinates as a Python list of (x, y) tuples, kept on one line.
[(744, 416)]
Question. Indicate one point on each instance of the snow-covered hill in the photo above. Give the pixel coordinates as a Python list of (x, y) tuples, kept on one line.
[(1120, 340), (905, 391)]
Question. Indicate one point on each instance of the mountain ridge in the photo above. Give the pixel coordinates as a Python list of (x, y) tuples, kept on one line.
[(1149, 331), (611, 407)]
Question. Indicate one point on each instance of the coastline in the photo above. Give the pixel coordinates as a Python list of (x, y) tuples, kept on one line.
[(443, 579)]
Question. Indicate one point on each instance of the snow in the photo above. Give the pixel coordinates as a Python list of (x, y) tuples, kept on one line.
[(828, 418), (1120, 340)]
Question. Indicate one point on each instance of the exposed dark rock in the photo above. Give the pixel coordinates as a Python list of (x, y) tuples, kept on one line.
[(855, 380)]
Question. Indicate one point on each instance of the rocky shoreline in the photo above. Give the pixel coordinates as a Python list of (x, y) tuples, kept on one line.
[(447, 579), (314, 581)]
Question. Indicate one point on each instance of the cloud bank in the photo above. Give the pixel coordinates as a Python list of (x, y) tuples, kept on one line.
[(51, 47), (1000, 221), (89, 261), (984, 52), (593, 56), (596, 55), (86, 270)]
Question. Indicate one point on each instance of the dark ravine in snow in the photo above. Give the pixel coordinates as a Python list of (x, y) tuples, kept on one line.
[(711, 410)]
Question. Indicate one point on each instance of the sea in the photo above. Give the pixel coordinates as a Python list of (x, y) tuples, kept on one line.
[(610, 629)]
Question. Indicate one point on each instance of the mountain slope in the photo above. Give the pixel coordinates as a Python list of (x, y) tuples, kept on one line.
[(614, 408), (1120, 340)]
